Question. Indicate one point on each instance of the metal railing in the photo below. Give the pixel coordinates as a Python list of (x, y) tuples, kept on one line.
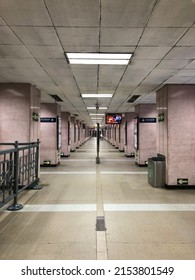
[(19, 170)]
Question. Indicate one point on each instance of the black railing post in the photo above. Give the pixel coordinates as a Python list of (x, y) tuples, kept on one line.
[(37, 186), (15, 206), (98, 144)]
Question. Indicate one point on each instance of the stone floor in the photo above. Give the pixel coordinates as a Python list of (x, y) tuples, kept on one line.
[(59, 221)]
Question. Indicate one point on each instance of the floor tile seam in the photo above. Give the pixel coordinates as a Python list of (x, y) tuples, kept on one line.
[(100, 211)]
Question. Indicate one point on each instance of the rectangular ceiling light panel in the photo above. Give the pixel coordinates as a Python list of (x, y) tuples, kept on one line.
[(99, 58), (94, 108), (94, 95)]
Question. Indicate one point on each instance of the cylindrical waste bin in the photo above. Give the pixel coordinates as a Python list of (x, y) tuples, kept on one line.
[(156, 171)]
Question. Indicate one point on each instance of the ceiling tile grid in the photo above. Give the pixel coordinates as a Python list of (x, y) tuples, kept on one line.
[(34, 36)]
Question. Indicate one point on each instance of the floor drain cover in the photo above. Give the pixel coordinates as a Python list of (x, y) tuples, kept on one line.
[(100, 224)]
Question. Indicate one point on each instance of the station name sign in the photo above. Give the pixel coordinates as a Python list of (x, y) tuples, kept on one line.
[(147, 120), (48, 120)]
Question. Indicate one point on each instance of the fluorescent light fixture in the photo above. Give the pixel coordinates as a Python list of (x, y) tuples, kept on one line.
[(96, 114), (91, 95), (99, 58), (94, 108), (96, 118)]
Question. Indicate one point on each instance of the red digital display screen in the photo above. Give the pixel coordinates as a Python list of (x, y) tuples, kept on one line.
[(113, 118)]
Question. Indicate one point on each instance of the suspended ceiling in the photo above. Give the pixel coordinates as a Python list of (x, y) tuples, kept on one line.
[(35, 34)]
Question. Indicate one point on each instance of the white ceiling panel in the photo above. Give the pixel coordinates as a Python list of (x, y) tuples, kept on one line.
[(173, 64), (117, 49), (146, 64), (188, 39), (151, 52), (2, 22), (22, 62), (161, 37), (87, 87), (143, 89), (81, 49), (173, 13), (17, 51), (178, 80), (181, 53), (22, 75), (148, 98), (185, 73), (7, 37), (191, 65), (111, 74), (74, 12), (55, 67), (46, 51), (49, 87), (191, 81), (85, 73), (45, 36), (120, 36), (28, 13), (124, 14), (78, 36)]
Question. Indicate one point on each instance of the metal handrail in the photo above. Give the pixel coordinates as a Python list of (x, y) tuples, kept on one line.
[(18, 171)]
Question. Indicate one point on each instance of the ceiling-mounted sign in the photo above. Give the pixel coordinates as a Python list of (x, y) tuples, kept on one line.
[(161, 117), (182, 181), (48, 120), (147, 120)]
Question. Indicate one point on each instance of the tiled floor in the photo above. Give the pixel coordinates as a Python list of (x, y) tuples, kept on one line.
[(59, 221)]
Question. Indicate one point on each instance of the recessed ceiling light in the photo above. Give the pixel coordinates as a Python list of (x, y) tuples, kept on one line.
[(94, 108), (99, 58), (96, 119), (96, 114), (91, 95)]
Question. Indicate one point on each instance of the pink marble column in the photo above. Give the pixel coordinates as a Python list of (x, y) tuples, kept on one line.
[(147, 133), (112, 134), (122, 134), (129, 132), (176, 133), (50, 149), (117, 136), (78, 134), (19, 113), (73, 134), (65, 150)]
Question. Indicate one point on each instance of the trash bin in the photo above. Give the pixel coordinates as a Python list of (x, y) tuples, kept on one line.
[(156, 171)]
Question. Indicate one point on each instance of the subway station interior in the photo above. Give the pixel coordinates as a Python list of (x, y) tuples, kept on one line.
[(97, 130)]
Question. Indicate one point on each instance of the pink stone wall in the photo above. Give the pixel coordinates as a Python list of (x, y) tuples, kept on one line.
[(129, 147), (122, 134), (147, 133), (117, 136), (177, 136), (78, 133), (35, 107), (17, 103), (65, 133), (48, 148), (73, 134)]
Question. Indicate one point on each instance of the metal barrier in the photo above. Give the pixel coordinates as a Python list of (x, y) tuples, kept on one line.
[(19, 170)]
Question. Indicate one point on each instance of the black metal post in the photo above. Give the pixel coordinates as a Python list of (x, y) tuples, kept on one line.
[(98, 144), (37, 186), (15, 206)]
